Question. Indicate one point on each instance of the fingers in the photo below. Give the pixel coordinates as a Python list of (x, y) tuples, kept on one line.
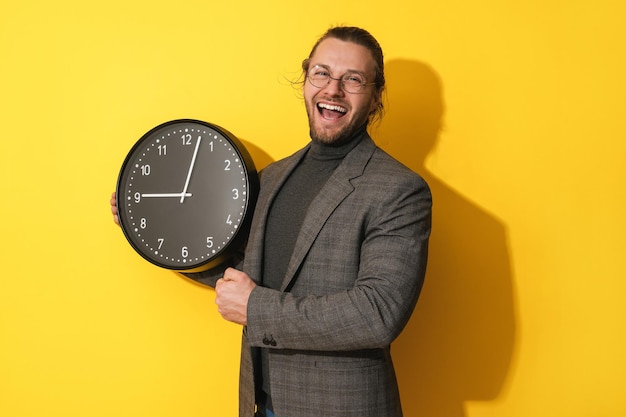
[(113, 203)]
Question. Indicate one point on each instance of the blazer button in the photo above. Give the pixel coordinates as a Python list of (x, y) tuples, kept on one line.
[(269, 341)]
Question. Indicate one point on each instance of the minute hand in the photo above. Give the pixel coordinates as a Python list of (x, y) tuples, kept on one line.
[(193, 162)]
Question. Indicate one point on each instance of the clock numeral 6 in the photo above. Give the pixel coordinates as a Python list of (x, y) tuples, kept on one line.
[(184, 252)]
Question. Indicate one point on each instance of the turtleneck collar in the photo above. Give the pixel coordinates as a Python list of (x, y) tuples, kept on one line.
[(324, 151)]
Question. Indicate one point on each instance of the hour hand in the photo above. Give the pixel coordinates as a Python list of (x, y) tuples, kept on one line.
[(177, 195)]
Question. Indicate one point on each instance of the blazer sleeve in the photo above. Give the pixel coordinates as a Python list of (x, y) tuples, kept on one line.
[(392, 251)]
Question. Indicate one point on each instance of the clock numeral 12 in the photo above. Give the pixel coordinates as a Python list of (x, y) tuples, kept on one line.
[(187, 138)]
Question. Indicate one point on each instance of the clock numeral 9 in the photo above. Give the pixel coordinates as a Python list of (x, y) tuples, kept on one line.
[(137, 197), (184, 252), (209, 242)]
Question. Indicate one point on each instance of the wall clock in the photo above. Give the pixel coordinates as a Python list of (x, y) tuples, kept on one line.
[(185, 195)]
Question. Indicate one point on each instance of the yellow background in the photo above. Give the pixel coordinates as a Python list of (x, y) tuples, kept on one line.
[(514, 112)]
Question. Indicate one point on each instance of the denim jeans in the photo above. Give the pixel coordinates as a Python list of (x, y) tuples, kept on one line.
[(263, 412)]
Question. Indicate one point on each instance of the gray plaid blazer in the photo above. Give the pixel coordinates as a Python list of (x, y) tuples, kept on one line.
[(351, 285)]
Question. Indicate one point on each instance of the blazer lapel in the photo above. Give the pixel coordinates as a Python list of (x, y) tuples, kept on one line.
[(336, 189)]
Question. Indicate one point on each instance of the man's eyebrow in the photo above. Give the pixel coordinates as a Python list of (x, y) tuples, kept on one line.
[(349, 71)]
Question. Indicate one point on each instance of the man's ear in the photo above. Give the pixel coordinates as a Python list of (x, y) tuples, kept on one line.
[(375, 103)]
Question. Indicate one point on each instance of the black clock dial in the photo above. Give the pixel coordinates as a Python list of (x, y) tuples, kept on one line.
[(185, 195)]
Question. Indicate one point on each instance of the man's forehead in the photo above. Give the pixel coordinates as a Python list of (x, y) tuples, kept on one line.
[(350, 56)]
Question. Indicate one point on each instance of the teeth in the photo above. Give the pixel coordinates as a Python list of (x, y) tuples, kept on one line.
[(333, 108)]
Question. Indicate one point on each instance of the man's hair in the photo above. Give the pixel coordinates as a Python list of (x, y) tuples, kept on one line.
[(360, 37)]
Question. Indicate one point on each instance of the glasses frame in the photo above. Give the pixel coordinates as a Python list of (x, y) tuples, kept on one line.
[(341, 79)]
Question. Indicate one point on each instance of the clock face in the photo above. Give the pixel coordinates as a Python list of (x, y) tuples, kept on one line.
[(185, 195)]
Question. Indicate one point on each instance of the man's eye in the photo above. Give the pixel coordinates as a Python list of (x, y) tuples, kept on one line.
[(354, 79)]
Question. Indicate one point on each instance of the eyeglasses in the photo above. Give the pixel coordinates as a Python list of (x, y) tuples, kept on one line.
[(351, 82)]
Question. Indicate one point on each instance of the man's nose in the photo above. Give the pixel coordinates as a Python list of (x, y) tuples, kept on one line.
[(334, 86)]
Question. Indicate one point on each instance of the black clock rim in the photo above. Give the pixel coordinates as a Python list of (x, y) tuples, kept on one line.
[(242, 232)]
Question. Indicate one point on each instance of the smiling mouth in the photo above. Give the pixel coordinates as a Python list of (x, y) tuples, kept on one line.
[(331, 111)]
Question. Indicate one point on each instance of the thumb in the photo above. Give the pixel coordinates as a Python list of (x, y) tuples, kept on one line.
[(231, 274)]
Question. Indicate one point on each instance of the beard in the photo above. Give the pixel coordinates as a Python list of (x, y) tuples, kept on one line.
[(334, 137)]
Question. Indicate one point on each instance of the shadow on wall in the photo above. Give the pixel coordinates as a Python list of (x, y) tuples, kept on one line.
[(458, 345), (259, 156)]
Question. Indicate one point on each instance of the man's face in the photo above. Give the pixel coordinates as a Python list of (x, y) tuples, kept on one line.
[(333, 113)]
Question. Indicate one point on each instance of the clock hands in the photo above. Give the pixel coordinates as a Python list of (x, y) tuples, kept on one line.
[(193, 162), (184, 193)]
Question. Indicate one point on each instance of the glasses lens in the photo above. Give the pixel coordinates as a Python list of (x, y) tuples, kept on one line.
[(352, 83), (318, 76)]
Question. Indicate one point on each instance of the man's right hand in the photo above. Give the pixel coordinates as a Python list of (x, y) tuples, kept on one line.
[(113, 202)]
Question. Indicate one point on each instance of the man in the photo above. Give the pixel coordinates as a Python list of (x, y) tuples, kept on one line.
[(336, 254)]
